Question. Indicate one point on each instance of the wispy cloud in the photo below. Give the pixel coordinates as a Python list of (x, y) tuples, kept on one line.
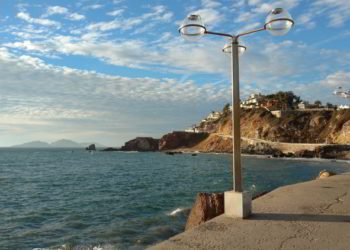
[(42, 21), (59, 10), (117, 12), (158, 13), (337, 79), (338, 11)]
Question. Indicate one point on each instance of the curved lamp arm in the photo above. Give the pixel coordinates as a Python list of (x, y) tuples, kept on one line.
[(218, 34), (250, 32)]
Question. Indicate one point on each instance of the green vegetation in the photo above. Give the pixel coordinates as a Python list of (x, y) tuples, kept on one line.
[(285, 99)]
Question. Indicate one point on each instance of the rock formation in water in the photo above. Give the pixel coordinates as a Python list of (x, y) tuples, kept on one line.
[(91, 147), (110, 149), (206, 207), (141, 144)]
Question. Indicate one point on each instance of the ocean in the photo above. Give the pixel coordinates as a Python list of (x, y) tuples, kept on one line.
[(72, 199)]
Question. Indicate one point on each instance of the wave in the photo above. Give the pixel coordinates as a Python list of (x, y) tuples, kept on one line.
[(80, 247), (177, 211)]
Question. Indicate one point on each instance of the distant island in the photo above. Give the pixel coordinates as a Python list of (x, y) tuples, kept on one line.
[(64, 143)]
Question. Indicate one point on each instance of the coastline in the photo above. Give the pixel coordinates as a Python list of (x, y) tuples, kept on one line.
[(269, 157)]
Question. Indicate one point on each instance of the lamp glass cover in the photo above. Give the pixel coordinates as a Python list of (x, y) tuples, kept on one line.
[(279, 22), (192, 28), (228, 49)]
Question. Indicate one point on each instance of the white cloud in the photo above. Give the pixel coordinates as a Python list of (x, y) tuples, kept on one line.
[(42, 21), (338, 11), (28, 45), (115, 24), (255, 10), (337, 79), (116, 12), (211, 3), (59, 10), (210, 17), (75, 17), (158, 13), (53, 10), (94, 6), (306, 20)]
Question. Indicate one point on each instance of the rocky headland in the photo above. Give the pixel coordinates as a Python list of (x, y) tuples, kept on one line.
[(306, 134), (141, 144), (321, 134)]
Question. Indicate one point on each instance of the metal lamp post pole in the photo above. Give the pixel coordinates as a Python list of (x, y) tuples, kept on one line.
[(278, 22), (236, 119)]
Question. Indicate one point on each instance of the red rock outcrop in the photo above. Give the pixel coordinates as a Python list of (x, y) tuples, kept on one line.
[(206, 207), (176, 140)]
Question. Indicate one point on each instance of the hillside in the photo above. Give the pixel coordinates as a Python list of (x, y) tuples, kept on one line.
[(295, 127), (302, 133)]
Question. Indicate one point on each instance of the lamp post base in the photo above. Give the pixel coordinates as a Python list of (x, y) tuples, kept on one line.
[(238, 204)]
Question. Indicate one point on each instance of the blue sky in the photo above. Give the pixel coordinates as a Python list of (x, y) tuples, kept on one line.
[(110, 70)]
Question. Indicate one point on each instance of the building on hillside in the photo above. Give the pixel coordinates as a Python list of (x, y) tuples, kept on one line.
[(303, 105), (308, 106), (253, 101), (343, 107), (192, 130), (213, 116)]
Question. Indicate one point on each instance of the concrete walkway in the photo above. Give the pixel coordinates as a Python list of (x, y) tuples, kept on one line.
[(310, 215)]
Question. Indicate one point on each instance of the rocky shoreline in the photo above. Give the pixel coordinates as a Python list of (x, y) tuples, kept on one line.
[(184, 142), (319, 134)]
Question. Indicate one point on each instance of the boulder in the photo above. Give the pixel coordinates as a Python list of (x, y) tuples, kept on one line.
[(141, 144), (325, 174), (206, 207), (261, 149), (305, 154), (333, 151)]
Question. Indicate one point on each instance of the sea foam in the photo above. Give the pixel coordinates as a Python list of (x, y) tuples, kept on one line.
[(176, 211)]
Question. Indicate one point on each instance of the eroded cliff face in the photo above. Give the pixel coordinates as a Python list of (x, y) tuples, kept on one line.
[(180, 139), (295, 127)]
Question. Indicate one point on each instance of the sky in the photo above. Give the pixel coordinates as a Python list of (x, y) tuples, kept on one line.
[(110, 70)]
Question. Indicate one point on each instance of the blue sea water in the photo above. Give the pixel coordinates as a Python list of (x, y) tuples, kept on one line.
[(60, 198)]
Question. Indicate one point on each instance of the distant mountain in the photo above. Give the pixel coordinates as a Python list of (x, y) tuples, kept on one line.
[(33, 144), (64, 143)]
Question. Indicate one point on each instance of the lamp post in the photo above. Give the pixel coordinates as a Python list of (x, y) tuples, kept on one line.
[(278, 22)]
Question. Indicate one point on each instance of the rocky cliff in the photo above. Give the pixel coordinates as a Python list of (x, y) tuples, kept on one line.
[(141, 144), (180, 139), (267, 133), (293, 127)]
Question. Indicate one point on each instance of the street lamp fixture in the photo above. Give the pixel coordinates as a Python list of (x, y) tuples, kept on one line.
[(278, 23), (228, 49)]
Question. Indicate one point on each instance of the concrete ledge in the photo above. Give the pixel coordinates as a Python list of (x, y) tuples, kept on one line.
[(238, 204), (310, 215)]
